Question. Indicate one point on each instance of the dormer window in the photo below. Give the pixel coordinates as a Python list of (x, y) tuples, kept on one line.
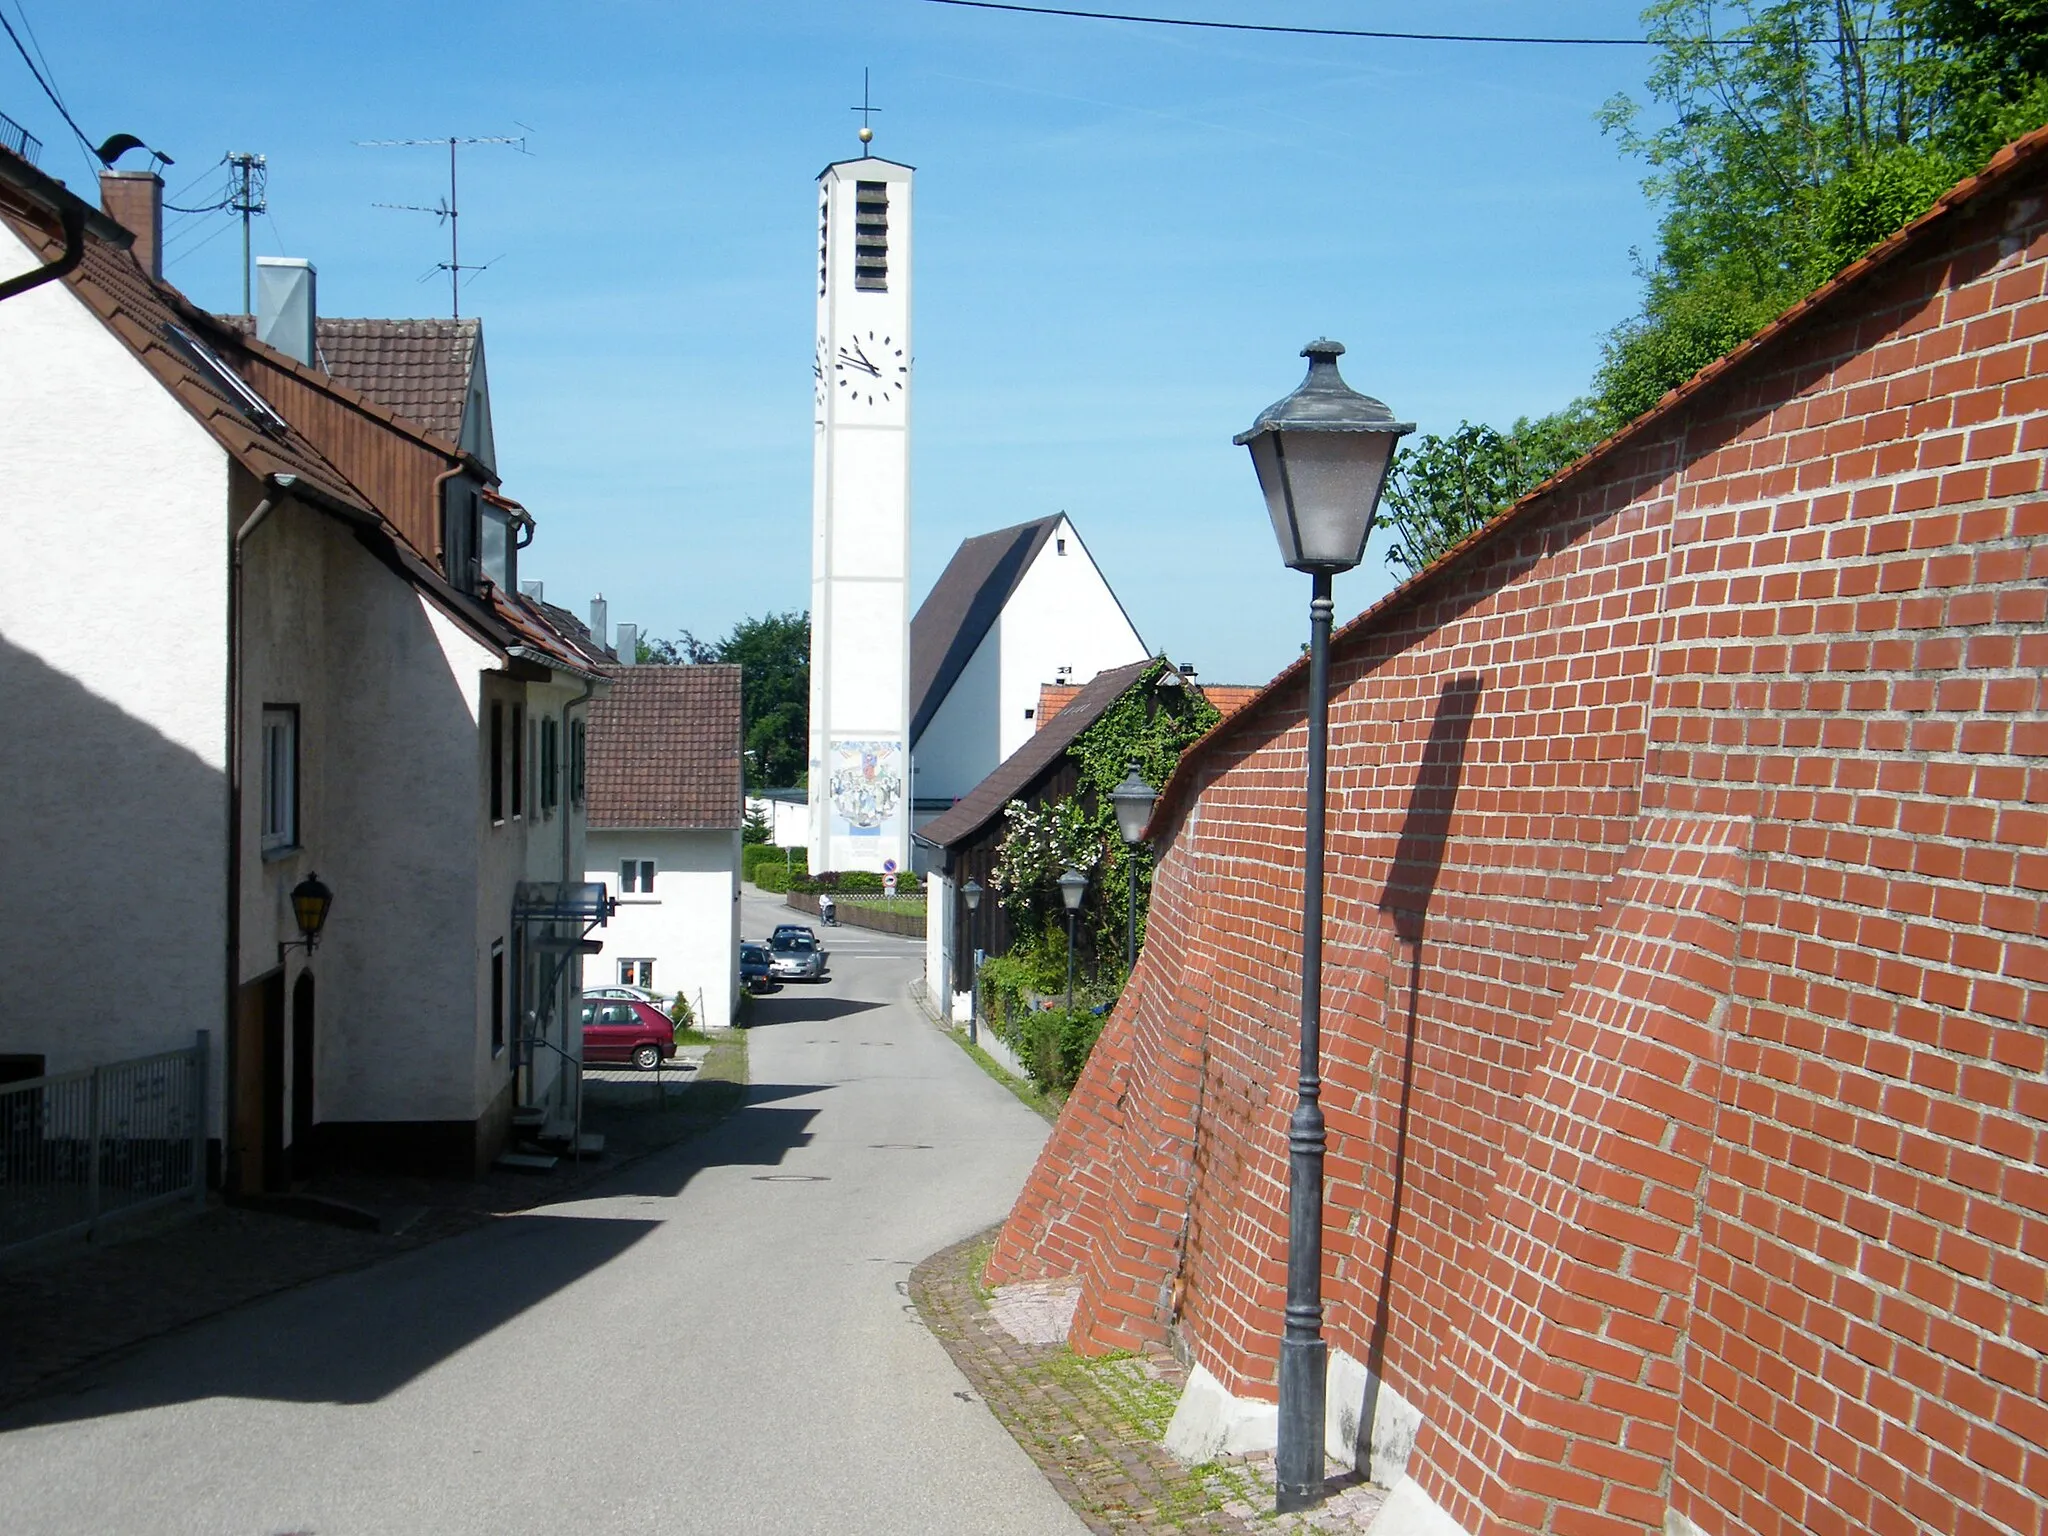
[(871, 236)]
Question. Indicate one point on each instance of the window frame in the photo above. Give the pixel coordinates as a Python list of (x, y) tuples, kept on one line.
[(499, 998), (278, 840), (497, 733), (518, 761), (636, 878), (642, 978)]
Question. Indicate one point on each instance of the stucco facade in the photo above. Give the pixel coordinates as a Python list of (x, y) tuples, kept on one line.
[(688, 926)]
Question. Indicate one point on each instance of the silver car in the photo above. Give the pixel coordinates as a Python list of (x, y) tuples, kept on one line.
[(796, 956)]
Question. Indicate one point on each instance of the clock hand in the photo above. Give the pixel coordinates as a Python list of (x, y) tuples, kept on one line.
[(850, 360)]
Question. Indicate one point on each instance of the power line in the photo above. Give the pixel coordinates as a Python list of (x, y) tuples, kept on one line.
[(55, 100), (1262, 26), (1366, 32)]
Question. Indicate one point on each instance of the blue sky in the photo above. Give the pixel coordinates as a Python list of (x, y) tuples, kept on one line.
[(1124, 235)]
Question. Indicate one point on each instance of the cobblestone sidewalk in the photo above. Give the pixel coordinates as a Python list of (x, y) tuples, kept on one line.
[(1094, 1426), (73, 1307)]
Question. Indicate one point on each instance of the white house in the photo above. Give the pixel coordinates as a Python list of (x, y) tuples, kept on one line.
[(1014, 609), (665, 818), (323, 667)]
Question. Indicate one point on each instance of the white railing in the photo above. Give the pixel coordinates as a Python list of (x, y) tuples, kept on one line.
[(79, 1148)]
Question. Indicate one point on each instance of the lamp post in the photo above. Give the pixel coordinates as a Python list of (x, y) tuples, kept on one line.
[(971, 894), (310, 900), (1322, 456), (1073, 886), (1133, 799)]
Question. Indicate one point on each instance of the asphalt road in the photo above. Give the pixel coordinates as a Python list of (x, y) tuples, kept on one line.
[(716, 1340)]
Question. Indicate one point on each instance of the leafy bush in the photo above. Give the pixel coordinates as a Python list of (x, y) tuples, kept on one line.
[(681, 1014), (771, 875), (1053, 1044)]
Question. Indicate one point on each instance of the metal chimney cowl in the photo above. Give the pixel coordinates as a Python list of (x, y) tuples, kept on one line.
[(629, 645), (600, 620), (285, 305)]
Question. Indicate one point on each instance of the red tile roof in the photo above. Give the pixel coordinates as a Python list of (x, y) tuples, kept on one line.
[(665, 749), (1052, 698), (418, 369)]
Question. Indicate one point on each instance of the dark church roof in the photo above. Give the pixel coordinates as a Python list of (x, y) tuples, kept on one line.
[(1031, 762), (952, 620)]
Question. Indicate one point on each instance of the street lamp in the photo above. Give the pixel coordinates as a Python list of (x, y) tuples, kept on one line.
[(1133, 799), (310, 900), (971, 894), (1322, 456), (1073, 886)]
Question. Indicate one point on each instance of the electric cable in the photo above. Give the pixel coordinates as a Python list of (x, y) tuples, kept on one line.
[(55, 100), (1362, 32)]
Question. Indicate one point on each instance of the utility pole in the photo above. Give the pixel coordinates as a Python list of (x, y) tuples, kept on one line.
[(249, 197), (449, 211)]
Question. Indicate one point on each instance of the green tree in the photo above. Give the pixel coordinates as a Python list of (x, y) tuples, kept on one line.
[(1442, 488), (1795, 136)]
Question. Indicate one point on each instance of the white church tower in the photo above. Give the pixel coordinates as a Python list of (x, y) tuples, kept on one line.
[(860, 521)]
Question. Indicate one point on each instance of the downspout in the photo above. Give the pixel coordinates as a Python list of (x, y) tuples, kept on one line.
[(280, 487), (441, 516), (589, 690), (74, 253)]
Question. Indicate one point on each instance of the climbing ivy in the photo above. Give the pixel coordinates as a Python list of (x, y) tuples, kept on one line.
[(1148, 724)]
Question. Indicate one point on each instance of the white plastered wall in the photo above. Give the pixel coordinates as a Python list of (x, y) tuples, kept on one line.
[(113, 646), (1062, 614), (689, 928)]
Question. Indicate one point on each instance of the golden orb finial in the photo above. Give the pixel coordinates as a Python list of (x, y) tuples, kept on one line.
[(867, 134)]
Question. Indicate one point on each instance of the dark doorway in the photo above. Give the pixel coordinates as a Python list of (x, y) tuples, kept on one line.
[(302, 1078), (257, 1160)]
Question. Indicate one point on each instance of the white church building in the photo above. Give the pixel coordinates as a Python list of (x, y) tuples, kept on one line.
[(1014, 609)]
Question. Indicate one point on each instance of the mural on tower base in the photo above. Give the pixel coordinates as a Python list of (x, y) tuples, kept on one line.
[(867, 789)]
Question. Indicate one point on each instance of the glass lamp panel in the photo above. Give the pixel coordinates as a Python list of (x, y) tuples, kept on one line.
[(1265, 452), (1335, 482), (1133, 799)]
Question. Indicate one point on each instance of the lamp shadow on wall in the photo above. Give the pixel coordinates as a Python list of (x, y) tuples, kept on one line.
[(1411, 884)]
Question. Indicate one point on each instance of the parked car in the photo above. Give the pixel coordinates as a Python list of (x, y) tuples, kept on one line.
[(782, 928), (633, 994), (757, 967), (797, 955), (618, 1030)]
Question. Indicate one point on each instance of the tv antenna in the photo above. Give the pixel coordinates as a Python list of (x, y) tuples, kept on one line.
[(447, 211)]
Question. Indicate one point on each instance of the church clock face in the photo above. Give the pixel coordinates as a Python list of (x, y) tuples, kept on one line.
[(870, 368)]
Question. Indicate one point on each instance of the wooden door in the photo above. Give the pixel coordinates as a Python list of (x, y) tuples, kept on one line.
[(256, 1159)]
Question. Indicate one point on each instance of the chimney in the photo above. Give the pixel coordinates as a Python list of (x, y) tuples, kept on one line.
[(285, 308), (135, 201), (600, 620), (629, 645)]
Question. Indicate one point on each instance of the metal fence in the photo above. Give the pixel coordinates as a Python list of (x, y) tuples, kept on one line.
[(17, 138), (80, 1147)]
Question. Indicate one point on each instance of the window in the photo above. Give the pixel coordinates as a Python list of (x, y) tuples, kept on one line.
[(518, 760), (579, 742), (1060, 546), (498, 997), (636, 876), (1030, 714), (550, 765), (533, 768), (280, 777), (871, 236), (636, 973), (497, 763)]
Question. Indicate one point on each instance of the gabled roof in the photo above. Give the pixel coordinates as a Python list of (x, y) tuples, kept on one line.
[(260, 405), (955, 616), (664, 749), (420, 369), (1040, 752)]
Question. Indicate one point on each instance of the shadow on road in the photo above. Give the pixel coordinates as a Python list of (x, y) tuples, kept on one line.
[(357, 1338), (786, 1009)]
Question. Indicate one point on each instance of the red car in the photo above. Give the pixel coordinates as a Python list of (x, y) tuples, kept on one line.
[(617, 1030)]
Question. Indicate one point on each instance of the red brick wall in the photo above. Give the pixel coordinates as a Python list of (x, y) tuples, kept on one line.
[(1685, 1021)]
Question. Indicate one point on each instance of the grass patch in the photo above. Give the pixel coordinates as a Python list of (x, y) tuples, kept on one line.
[(690, 1035), (1034, 1098)]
